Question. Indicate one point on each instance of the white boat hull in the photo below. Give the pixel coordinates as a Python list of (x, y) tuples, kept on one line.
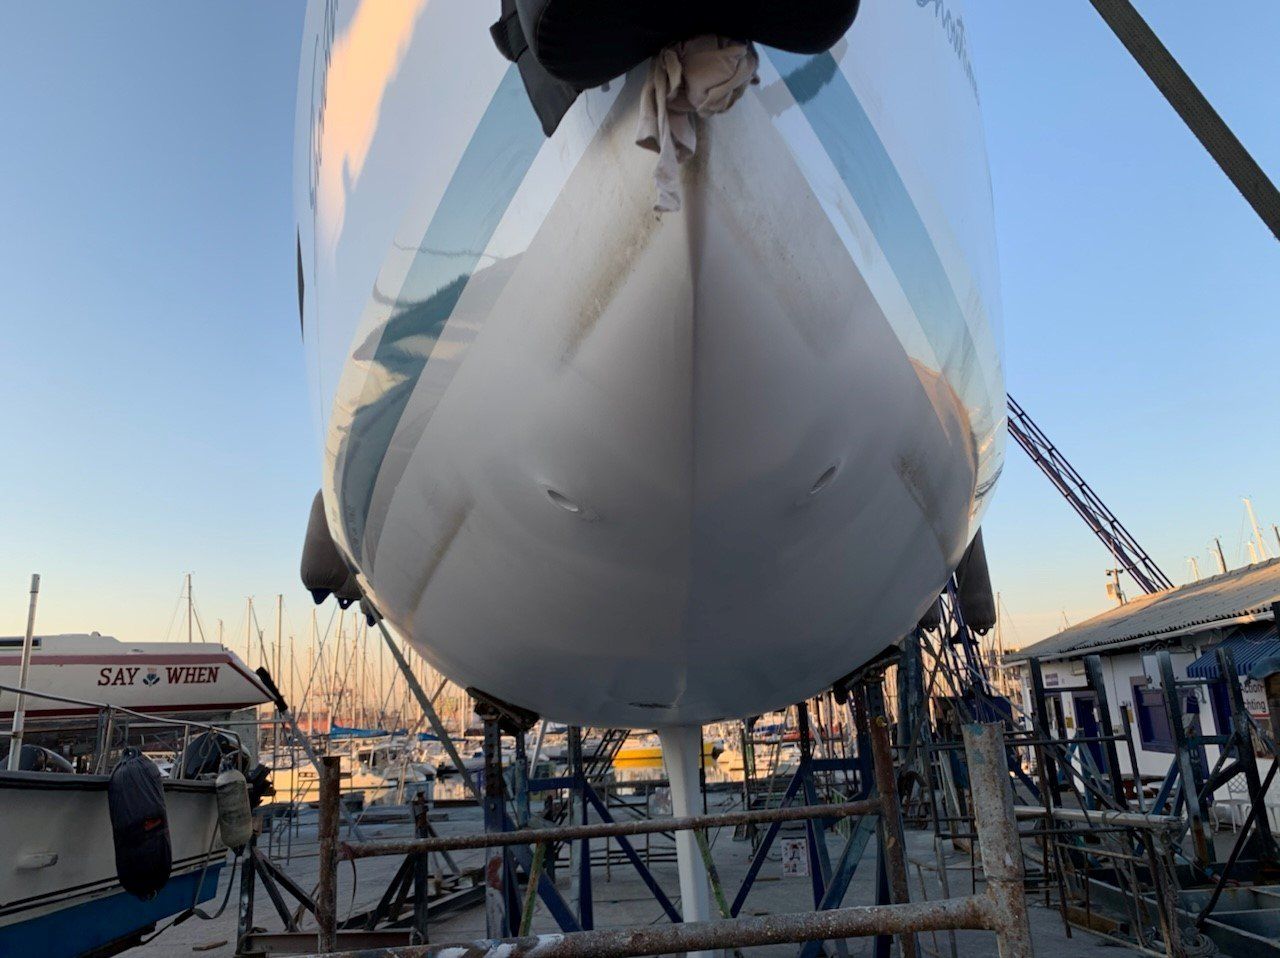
[(59, 896), (646, 470), (193, 680)]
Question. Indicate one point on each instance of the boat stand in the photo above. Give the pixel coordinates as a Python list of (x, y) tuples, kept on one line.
[(506, 913), (874, 780), (256, 867), (1001, 907), (1189, 788)]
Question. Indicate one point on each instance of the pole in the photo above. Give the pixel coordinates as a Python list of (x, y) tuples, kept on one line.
[(682, 754), (1222, 559), (248, 631), (976, 912), (429, 711), (1196, 112), (327, 891), (418, 934), (998, 839), (498, 922), (279, 631), (1263, 554), (642, 826), (19, 709), (189, 609), (891, 834)]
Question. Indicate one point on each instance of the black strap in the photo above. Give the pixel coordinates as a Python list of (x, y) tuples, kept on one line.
[(551, 98), (508, 35)]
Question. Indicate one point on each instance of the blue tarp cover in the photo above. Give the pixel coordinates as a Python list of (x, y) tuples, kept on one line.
[(342, 731)]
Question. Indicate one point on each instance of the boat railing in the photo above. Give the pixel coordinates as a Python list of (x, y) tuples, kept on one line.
[(108, 719)]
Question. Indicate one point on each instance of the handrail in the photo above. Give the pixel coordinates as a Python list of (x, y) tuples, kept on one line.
[(105, 707)]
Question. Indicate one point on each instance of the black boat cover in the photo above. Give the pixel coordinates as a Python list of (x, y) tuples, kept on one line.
[(565, 46), (973, 587), (204, 754), (139, 825), (324, 571), (36, 758)]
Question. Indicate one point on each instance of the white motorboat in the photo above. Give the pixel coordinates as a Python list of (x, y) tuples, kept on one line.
[(193, 679), (60, 893)]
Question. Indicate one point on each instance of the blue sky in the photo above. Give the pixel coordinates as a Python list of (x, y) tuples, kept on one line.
[(157, 419)]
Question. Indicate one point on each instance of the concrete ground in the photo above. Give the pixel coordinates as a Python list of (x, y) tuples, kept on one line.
[(620, 897)]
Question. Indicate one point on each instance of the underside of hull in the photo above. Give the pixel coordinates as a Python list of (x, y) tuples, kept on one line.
[(623, 481), (645, 469)]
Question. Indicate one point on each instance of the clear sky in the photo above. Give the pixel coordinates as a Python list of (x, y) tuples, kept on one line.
[(156, 411)]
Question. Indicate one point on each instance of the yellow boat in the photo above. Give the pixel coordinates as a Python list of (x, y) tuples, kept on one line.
[(648, 752)]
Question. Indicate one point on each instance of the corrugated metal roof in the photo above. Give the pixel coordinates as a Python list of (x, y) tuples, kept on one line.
[(1249, 645), (1248, 591)]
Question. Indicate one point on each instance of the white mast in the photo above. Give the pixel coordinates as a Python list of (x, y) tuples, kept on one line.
[(279, 632), (20, 708), (1263, 554), (248, 631), (189, 609)]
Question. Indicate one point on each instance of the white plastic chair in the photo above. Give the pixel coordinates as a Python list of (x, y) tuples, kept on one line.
[(1237, 803)]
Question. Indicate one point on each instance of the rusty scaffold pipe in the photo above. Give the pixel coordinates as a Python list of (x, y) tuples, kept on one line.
[(327, 890), (532, 836), (1001, 908)]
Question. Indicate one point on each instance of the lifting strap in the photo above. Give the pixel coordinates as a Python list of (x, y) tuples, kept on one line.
[(551, 98)]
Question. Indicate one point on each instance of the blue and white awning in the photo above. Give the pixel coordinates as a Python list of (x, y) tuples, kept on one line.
[(1249, 644)]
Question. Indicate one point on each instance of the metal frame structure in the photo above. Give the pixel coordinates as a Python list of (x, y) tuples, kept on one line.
[(1129, 555), (1116, 868), (1000, 908)]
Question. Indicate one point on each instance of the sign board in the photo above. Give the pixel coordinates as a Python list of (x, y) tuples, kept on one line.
[(1255, 699), (660, 802), (795, 858), (1051, 680)]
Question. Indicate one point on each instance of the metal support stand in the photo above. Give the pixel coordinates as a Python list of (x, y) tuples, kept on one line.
[(583, 799), (327, 891), (500, 902), (682, 754), (1001, 908), (419, 934), (1186, 774), (802, 784)]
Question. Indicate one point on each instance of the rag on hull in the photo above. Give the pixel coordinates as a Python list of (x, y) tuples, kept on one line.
[(645, 470)]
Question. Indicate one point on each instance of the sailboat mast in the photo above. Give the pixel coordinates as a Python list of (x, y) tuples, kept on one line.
[(248, 631), (279, 632), (1263, 554)]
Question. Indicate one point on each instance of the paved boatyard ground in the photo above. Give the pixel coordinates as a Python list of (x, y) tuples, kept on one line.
[(622, 899)]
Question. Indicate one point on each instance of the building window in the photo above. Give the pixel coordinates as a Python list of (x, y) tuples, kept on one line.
[(1154, 729)]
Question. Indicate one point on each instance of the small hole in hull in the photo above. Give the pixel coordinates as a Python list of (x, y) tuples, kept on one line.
[(824, 480), (564, 502)]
